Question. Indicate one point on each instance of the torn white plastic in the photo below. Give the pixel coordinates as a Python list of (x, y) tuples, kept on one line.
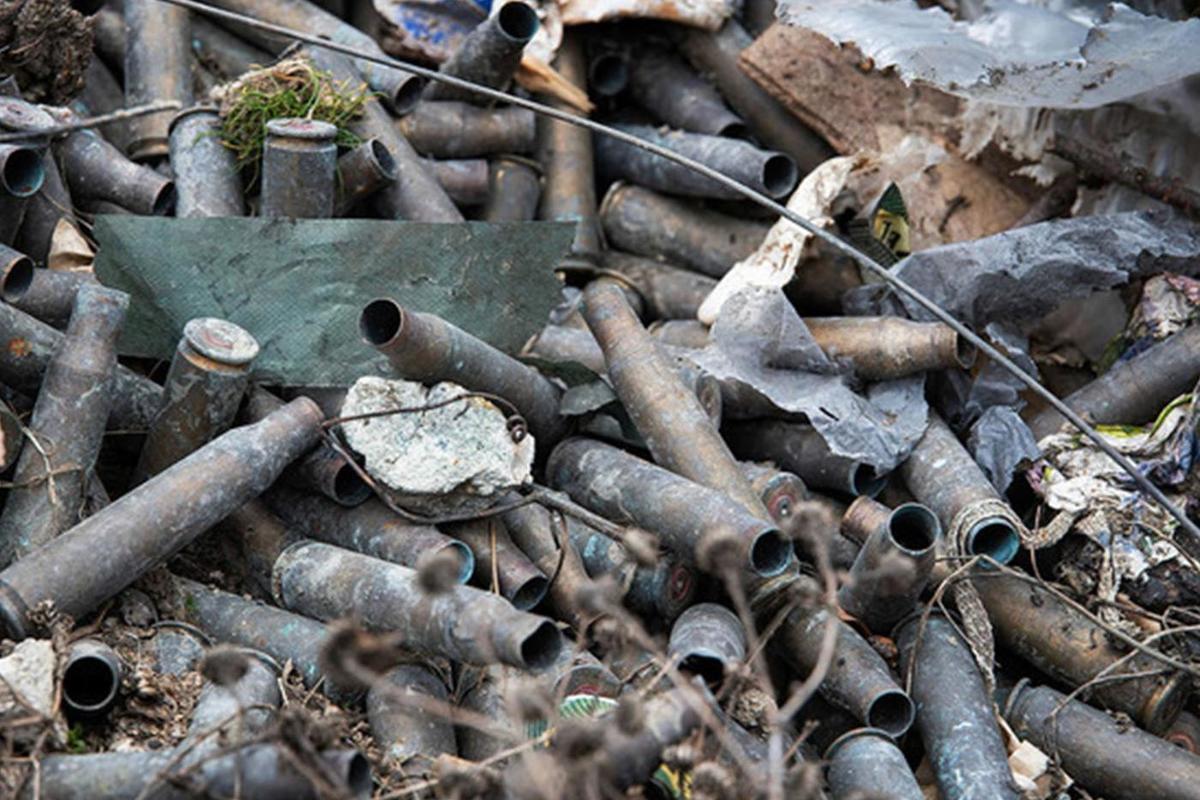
[(773, 264), (707, 14), (1015, 54)]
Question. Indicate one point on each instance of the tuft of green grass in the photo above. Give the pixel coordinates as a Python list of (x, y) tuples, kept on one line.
[(75, 742), (291, 88)]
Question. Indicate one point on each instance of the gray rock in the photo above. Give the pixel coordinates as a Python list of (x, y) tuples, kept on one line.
[(28, 679)]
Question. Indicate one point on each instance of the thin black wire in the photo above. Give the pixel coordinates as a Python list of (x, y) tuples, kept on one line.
[(826, 237)]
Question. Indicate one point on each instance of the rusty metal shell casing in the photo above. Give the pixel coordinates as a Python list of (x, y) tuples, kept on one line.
[(883, 348), (626, 759), (228, 54), (460, 623), (48, 295), (415, 194), (484, 692), (892, 568), (43, 212), (1134, 391), (608, 68), (254, 538), (154, 521), (280, 634), (533, 529), (709, 641), (942, 475), (400, 89), (684, 514), (769, 172), (858, 680), (12, 440), (408, 733), (514, 189), (489, 54), (299, 169), (781, 492), (451, 129), (97, 171), (517, 580), (579, 672), (1185, 732), (361, 173), (26, 354), (566, 153), (158, 66), (667, 87), (91, 679), (650, 224), (426, 348), (867, 763), (1067, 646), (204, 387), (716, 54), (668, 292), (68, 423), (16, 274), (954, 711), (21, 170), (464, 180), (799, 449), (677, 429), (371, 529), (1103, 755), (207, 183)]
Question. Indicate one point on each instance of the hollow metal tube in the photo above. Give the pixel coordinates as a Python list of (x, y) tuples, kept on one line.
[(361, 173), (490, 53), (49, 294), (798, 448), (464, 180), (227, 54), (299, 169), (452, 129), (207, 183), (667, 87), (158, 66), (514, 189), (883, 348), (668, 292), (867, 763), (97, 171), (409, 735), (91, 679), (517, 579), (709, 641), (533, 529)]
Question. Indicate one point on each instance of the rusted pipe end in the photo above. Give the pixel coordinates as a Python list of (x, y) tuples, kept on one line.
[(466, 561), (608, 74), (349, 489), (779, 175), (518, 22), (530, 593), (21, 170), (857, 733), (994, 537), (382, 161), (541, 647), (913, 528), (313, 130), (1163, 707), (734, 130), (708, 392), (16, 274), (892, 712), (353, 769), (864, 516), (865, 480), (164, 200), (91, 680), (770, 552), (404, 95), (381, 321), (87, 7), (964, 352)]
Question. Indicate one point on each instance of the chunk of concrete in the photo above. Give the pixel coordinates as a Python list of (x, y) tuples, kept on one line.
[(27, 679)]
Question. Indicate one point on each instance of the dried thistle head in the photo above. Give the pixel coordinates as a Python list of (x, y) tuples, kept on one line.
[(598, 596), (642, 545), (438, 570), (578, 738), (224, 665), (629, 715), (712, 781), (350, 655), (720, 551), (530, 702)]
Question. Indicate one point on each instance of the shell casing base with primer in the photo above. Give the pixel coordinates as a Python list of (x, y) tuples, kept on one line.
[(464, 180), (407, 734), (514, 190), (158, 66), (154, 521), (531, 528), (716, 54), (666, 86), (451, 129), (490, 53), (415, 194), (892, 568), (684, 514), (459, 623), (1069, 647), (207, 182), (1134, 391), (204, 387), (98, 172), (768, 172), (426, 348), (668, 292), (49, 294), (370, 528), (858, 679), (954, 711), (867, 762), (942, 475), (565, 151), (676, 428), (68, 423), (91, 679), (709, 641), (520, 582), (299, 169), (781, 493), (27, 353), (884, 348), (280, 634), (799, 449), (1100, 753), (361, 173)]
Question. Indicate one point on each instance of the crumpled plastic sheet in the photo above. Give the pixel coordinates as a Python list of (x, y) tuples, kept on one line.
[(1015, 54), (1021, 275), (759, 343), (1002, 444)]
